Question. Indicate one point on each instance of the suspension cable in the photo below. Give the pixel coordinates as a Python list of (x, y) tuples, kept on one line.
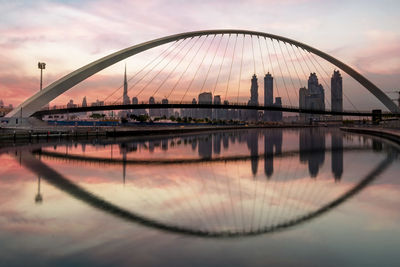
[(287, 67), (137, 73), (262, 57), (272, 69), (252, 50), (348, 99), (294, 66), (230, 70), (173, 70), (191, 82), (323, 79), (240, 71), (280, 69), (222, 62), (151, 69), (212, 62), (158, 73), (183, 73)]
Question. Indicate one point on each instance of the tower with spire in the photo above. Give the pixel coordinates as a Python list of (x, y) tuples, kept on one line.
[(126, 100)]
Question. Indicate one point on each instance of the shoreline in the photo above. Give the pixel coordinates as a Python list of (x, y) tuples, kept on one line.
[(86, 132), (390, 134)]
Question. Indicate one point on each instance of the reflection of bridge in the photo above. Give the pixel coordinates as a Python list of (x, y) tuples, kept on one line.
[(293, 62), (58, 180), (204, 106)]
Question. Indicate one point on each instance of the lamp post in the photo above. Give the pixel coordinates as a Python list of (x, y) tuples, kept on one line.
[(41, 66)]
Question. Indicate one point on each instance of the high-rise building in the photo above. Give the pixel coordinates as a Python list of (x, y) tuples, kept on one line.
[(252, 114), (268, 94), (164, 111), (84, 102), (71, 104), (126, 100), (217, 113), (337, 93), (205, 98), (153, 112), (1, 104), (312, 97), (337, 155)]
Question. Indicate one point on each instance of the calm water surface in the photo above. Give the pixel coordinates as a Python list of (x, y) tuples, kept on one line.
[(310, 197)]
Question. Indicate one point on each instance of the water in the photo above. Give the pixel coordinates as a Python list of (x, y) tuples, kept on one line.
[(310, 197)]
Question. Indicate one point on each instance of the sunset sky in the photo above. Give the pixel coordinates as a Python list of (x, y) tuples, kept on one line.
[(69, 34)]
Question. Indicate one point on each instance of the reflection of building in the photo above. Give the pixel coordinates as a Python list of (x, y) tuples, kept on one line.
[(38, 197), (337, 93), (205, 147), (252, 144), (337, 156), (312, 98), (272, 138), (312, 149), (217, 143)]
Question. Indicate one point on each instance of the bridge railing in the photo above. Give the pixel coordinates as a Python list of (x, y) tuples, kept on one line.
[(235, 105)]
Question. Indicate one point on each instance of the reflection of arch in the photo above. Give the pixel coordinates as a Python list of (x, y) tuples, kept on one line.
[(35, 102), (59, 181), (102, 160)]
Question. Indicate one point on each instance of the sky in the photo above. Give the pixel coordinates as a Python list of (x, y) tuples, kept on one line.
[(70, 34)]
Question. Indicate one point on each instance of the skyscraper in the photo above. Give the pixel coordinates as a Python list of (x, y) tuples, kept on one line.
[(126, 100), (205, 98), (312, 97), (84, 102), (337, 93), (252, 114), (268, 94), (217, 112)]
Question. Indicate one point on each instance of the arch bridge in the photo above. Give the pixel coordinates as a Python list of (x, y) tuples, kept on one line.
[(35, 103)]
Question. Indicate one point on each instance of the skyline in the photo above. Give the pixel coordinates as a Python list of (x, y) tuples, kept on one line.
[(88, 33)]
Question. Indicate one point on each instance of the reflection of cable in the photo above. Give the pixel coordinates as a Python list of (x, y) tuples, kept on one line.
[(59, 181), (184, 161)]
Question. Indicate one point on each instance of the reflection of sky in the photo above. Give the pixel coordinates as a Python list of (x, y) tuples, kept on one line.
[(363, 231)]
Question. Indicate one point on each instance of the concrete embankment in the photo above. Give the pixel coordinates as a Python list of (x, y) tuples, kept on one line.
[(390, 134), (85, 132)]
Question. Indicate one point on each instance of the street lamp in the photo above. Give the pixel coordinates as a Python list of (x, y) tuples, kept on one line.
[(41, 66)]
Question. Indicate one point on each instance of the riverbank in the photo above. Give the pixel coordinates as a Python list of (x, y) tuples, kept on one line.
[(86, 132), (391, 134)]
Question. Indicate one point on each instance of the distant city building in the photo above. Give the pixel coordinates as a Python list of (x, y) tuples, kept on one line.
[(312, 97), (165, 111), (217, 113), (71, 104), (84, 102), (337, 93), (140, 111), (252, 114), (125, 98), (337, 155), (153, 112), (269, 100), (272, 138), (205, 98), (268, 94), (312, 149), (1, 104)]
